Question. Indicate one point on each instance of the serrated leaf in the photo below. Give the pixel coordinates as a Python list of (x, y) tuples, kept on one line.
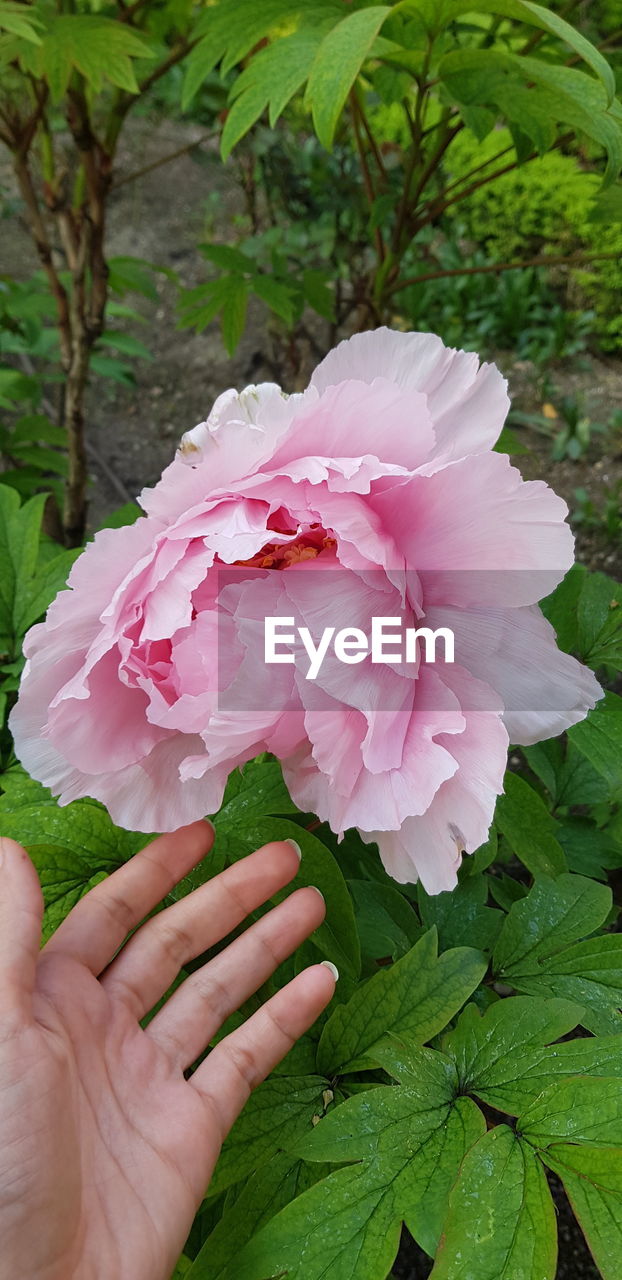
[(233, 317), (501, 1219), (527, 825), (337, 64), (20, 22), (279, 297), (417, 996)]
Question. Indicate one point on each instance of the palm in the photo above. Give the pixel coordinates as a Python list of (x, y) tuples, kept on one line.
[(110, 1146)]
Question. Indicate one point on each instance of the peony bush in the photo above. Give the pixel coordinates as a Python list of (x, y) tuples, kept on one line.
[(474, 1045)]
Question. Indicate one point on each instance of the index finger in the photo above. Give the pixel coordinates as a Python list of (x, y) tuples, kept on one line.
[(101, 921)]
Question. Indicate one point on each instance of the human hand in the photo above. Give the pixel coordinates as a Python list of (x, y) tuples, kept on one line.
[(106, 1150)]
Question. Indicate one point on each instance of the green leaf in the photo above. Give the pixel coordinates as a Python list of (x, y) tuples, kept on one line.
[(228, 258), (599, 739), (229, 31), (270, 80), (491, 1052), (589, 850), (557, 26), (581, 1110), (16, 19), (386, 921), (417, 997), (337, 63), (26, 586), (100, 48), (554, 913), (233, 316), (592, 1178), (501, 1222), (461, 916), (280, 297), (278, 1114), (125, 343), (539, 1067), (73, 848), (409, 1141), (527, 825), (599, 620), (270, 1189)]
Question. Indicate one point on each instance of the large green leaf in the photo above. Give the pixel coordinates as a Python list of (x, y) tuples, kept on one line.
[(527, 825), (501, 1220), (592, 1178), (417, 996), (73, 848), (409, 1140), (337, 64)]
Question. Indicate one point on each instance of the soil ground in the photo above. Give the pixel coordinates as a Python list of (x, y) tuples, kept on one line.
[(161, 216)]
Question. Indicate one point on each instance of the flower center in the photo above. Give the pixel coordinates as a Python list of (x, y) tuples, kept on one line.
[(307, 545)]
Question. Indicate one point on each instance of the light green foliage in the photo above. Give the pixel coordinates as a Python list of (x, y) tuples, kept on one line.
[(551, 201)]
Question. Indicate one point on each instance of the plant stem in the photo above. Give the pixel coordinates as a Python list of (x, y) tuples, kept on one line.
[(567, 260)]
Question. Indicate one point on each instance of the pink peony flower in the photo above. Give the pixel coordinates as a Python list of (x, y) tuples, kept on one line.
[(373, 493)]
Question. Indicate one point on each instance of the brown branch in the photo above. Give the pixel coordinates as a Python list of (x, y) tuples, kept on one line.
[(44, 250), (569, 260), (157, 164)]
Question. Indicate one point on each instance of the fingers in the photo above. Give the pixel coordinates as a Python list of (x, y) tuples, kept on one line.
[(21, 913), (243, 1059), (198, 1008), (101, 921), (151, 960)]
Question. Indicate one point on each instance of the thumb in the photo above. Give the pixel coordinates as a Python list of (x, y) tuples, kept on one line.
[(21, 913)]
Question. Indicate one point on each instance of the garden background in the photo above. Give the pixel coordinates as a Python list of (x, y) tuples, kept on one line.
[(199, 196)]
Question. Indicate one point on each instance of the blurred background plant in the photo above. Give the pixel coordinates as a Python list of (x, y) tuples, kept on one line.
[(406, 146)]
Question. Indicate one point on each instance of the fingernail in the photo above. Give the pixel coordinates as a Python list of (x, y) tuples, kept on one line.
[(314, 886), (211, 826), (296, 848), (333, 968)]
